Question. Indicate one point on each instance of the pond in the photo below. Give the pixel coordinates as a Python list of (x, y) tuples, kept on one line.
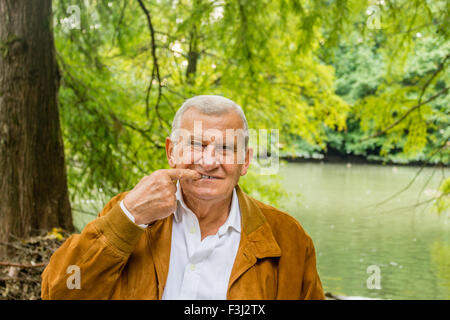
[(405, 244)]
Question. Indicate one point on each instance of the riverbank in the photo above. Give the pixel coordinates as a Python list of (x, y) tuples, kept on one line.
[(360, 160)]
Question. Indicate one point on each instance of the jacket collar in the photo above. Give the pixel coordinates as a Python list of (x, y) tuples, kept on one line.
[(257, 241), (256, 228)]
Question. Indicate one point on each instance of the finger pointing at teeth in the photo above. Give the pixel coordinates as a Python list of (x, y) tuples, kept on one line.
[(178, 174)]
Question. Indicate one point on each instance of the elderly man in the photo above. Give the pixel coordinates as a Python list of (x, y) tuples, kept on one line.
[(190, 232)]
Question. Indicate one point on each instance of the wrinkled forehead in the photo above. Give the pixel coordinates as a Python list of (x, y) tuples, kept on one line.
[(208, 135), (227, 126), (227, 119)]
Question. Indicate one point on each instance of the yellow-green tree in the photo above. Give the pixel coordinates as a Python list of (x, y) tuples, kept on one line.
[(130, 65)]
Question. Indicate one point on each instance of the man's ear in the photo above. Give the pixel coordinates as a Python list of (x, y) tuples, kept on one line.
[(169, 152), (248, 159)]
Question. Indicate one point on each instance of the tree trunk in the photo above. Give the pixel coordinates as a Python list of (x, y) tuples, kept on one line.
[(33, 183), (193, 56)]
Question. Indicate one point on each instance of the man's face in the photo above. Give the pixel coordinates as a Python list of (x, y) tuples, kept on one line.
[(207, 145)]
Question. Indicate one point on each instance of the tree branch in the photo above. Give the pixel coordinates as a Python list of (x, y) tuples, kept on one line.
[(155, 71), (419, 103), (438, 150), (20, 265), (19, 279), (116, 30), (75, 84), (406, 114)]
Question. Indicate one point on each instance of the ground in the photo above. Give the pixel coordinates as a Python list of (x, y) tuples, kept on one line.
[(20, 276)]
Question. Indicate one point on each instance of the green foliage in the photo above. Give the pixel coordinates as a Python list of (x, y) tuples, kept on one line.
[(396, 81), (115, 125), (397, 97), (312, 69), (268, 189), (443, 200)]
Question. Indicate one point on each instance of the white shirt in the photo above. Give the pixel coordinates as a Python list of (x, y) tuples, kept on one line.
[(200, 269)]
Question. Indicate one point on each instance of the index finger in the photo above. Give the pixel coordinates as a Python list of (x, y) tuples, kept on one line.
[(177, 174)]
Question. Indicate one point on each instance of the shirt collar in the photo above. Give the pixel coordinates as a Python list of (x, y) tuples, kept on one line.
[(234, 216)]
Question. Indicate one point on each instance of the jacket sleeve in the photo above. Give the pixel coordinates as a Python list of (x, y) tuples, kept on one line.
[(88, 265), (311, 284)]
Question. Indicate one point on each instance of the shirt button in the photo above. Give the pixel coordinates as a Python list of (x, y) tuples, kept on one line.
[(192, 267), (192, 230)]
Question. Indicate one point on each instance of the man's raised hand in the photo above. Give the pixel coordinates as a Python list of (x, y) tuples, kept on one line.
[(153, 198)]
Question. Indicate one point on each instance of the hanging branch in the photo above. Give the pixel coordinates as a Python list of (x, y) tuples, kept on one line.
[(244, 37), (442, 147), (419, 103), (143, 132), (84, 95), (155, 71), (116, 30), (406, 114), (435, 73)]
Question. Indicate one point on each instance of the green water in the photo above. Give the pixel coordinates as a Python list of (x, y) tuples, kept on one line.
[(409, 244)]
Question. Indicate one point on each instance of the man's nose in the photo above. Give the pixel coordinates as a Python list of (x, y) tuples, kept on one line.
[(208, 160)]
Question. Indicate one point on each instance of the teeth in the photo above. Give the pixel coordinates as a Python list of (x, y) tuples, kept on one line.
[(207, 177)]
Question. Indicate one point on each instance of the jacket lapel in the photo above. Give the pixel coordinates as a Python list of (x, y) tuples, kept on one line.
[(257, 240), (160, 238)]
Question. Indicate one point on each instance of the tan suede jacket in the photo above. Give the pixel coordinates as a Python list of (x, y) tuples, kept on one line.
[(119, 260)]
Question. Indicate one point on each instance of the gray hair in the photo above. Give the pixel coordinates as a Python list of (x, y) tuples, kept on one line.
[(210, 105)]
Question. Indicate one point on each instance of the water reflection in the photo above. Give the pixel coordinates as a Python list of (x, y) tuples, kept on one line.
[(408, 242)]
